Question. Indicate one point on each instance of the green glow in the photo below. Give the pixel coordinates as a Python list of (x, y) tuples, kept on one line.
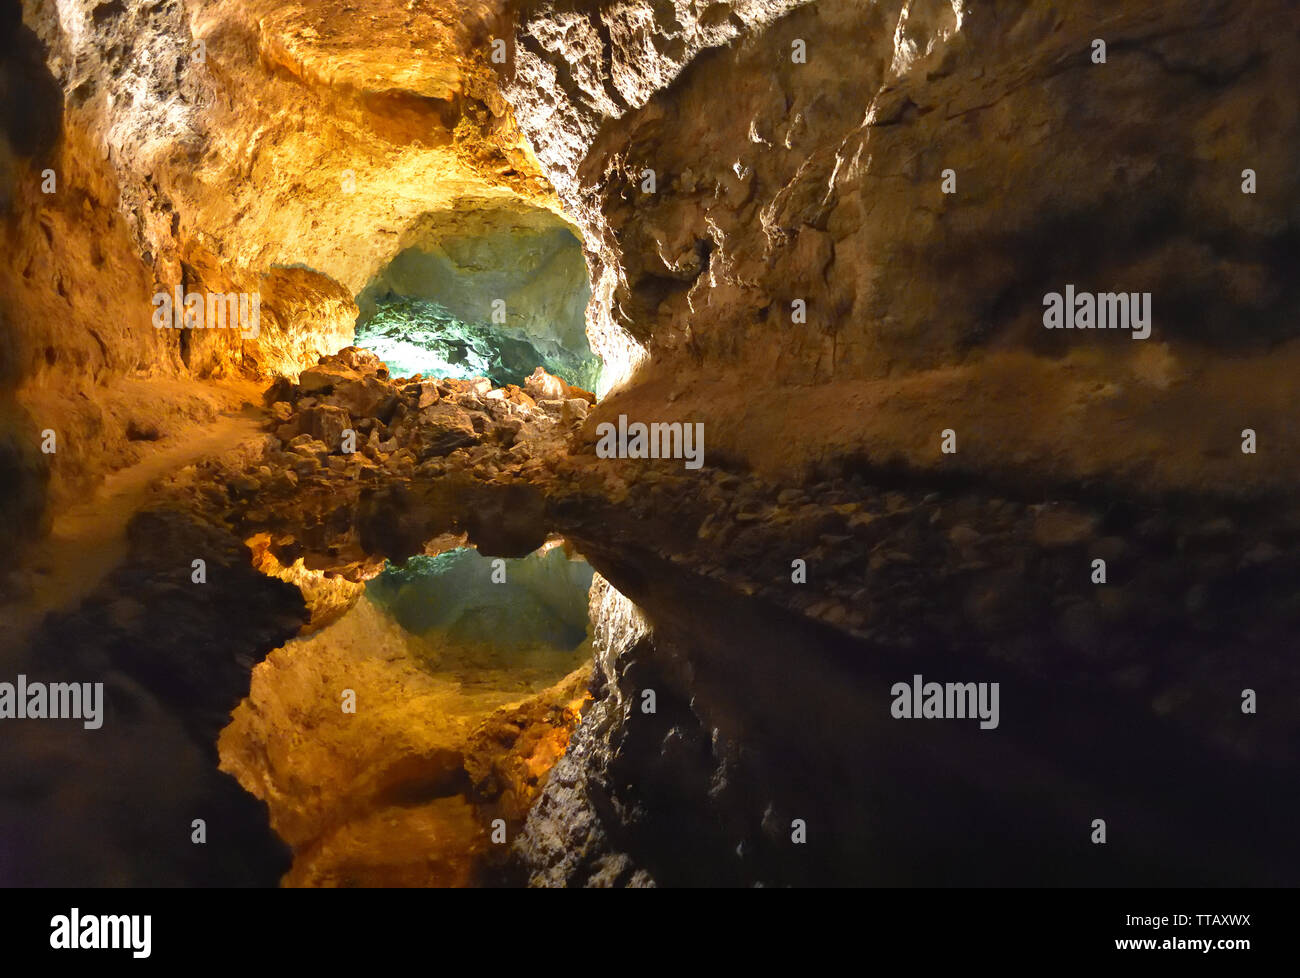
[(421, 336)]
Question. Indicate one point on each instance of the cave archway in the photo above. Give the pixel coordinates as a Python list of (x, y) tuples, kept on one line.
[(483, 291)]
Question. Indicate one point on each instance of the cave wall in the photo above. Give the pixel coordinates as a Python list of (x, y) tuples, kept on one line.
[(308, 146), (313, 144), (297, 134), (822, 181), (216, 146)]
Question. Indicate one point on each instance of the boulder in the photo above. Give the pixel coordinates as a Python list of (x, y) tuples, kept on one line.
[(325, 423), (323, 377), (366, 397), (543, 386), (574, 409)]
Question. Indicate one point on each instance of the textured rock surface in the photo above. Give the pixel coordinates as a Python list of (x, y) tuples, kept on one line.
[(566, 841), (311, 144), (220, 146), (779, 181), (529, 260)]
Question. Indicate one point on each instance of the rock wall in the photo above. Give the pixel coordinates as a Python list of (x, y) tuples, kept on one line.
[(823, 181), (824, 231), (799, 153), (217, 146)]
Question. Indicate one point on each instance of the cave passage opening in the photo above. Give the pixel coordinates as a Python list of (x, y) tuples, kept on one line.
[(528, 613), (483, 291)]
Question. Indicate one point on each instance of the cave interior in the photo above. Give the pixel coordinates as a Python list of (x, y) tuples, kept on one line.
[(382, 586)]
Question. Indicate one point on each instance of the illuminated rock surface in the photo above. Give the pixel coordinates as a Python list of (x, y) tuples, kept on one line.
[(334, 158)]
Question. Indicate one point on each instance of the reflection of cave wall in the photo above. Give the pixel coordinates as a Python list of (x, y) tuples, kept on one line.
[(541, 601)]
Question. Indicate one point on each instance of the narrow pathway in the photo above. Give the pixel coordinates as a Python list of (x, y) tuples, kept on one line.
[(89, 539)]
